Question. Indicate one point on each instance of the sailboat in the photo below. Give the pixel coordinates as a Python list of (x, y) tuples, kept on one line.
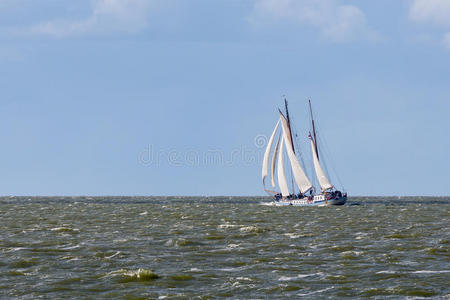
[(307, 194)]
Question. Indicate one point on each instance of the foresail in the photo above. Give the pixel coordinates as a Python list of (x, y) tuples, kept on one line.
[(282, 182), (321, 177), (274, 160), (300, 177), (265, 167)]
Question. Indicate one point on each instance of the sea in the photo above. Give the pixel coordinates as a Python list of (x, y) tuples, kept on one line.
[(223, 247)]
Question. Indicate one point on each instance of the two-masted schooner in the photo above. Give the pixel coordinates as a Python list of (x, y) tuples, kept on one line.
[(307, 194)]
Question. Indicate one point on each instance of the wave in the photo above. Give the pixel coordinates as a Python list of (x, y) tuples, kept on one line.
[(430, 272), (134, 275), (299, 276), (315, 292), (65, 229)]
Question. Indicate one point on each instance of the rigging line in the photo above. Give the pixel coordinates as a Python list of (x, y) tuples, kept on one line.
[(323, 152), (329, 158), (315, 181), (333, 165)]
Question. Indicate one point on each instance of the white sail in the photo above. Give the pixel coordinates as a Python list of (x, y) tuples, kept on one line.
[(300, 177), (274, 160), (265, 167), (321, 177), (282, 182)]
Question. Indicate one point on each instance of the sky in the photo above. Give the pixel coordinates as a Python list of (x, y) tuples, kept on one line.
[(176, 97)]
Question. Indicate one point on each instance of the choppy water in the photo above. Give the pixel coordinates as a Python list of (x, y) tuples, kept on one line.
[(137, 247)]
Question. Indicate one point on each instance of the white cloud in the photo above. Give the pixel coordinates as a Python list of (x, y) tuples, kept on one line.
[(436, 12), (108, 16), (336, 22), (431, 11)]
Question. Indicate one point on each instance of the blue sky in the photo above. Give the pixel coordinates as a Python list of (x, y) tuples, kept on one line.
[(91, 88)]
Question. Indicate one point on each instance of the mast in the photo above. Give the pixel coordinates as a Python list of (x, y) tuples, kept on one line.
[(290, 136), (314, 130), (289, 123)]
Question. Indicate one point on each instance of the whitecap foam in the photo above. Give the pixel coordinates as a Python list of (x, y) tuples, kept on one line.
[(291, 235), (74, 246), (70, 258), (386, 272), (248, 229), (267, 203), (226, 225), (63, 229), (244, 279), (120, 240), (361, 235), (234, 269), (356, 253), (286, 278), (16, 249), (195, 270), (111, 256), (315, 292), (430, 272)]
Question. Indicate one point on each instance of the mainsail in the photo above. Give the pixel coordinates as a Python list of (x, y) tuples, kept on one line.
[(300, 177), (280, 173), (274, 159), (321, 177), (265, 168)]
